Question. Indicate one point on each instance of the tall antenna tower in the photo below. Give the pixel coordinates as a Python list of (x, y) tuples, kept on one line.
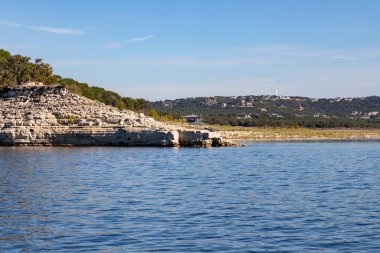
[(276, 92)]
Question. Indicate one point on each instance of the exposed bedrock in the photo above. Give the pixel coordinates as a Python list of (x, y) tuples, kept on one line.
[(51, 115)]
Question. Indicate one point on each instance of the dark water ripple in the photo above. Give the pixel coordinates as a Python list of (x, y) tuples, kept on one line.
[(278, 197)]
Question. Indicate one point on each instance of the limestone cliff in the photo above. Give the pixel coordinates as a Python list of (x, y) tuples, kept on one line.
[(51, 115)]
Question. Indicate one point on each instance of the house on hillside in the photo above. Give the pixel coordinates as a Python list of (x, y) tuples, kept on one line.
[(244, 116), (192, 118)]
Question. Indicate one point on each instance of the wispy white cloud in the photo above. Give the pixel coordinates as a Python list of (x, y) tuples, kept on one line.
[(9, 23), (118, 44), (346, 58), (113, 45), (66, 31), (139, 39), (289, 54), (263, 56), (194, 61)]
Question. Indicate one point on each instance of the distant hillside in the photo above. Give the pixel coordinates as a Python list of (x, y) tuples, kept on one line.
[(17, 69), (277, 111)]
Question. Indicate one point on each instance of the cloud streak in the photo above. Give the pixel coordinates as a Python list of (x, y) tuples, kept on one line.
[(263, 56), (9, 23), (346, 58), (113, 45), (140, 39), (295, 54), (117, 44), (56, 30), (65, 31)]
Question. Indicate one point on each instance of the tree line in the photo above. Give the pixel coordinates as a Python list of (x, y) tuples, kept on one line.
[(17, 69), (264, 112), (308, 122), (105, 96)]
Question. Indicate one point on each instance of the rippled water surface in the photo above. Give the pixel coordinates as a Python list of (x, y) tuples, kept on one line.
[(265, 197)]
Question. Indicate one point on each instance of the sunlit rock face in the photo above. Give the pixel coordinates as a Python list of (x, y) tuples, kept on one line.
[(51, 115)]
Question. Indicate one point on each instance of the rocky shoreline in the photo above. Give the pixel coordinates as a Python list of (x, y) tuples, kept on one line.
[(53, 116)]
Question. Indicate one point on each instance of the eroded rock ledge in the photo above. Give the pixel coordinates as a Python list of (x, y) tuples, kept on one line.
[(51, 115)]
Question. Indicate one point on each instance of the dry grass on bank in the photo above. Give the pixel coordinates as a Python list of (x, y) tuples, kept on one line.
[(301, 134), (271, 133)]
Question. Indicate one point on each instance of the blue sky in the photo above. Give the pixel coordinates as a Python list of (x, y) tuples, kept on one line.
[(172, 49)]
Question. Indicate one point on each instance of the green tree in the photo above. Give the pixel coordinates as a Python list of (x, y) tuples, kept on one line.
[(4, 68), (154, 114), (42, 72), (167, 117), (130, 103), (141, 104), (19, 69), (4, 54), (135, 104), (121, 105)]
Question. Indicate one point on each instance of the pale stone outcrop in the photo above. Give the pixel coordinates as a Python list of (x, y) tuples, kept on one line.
[(51, 115)]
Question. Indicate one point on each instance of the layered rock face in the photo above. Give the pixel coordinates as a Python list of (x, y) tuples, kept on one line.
[(51, 115)]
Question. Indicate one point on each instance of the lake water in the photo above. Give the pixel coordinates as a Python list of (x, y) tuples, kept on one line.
[(287, 197)]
